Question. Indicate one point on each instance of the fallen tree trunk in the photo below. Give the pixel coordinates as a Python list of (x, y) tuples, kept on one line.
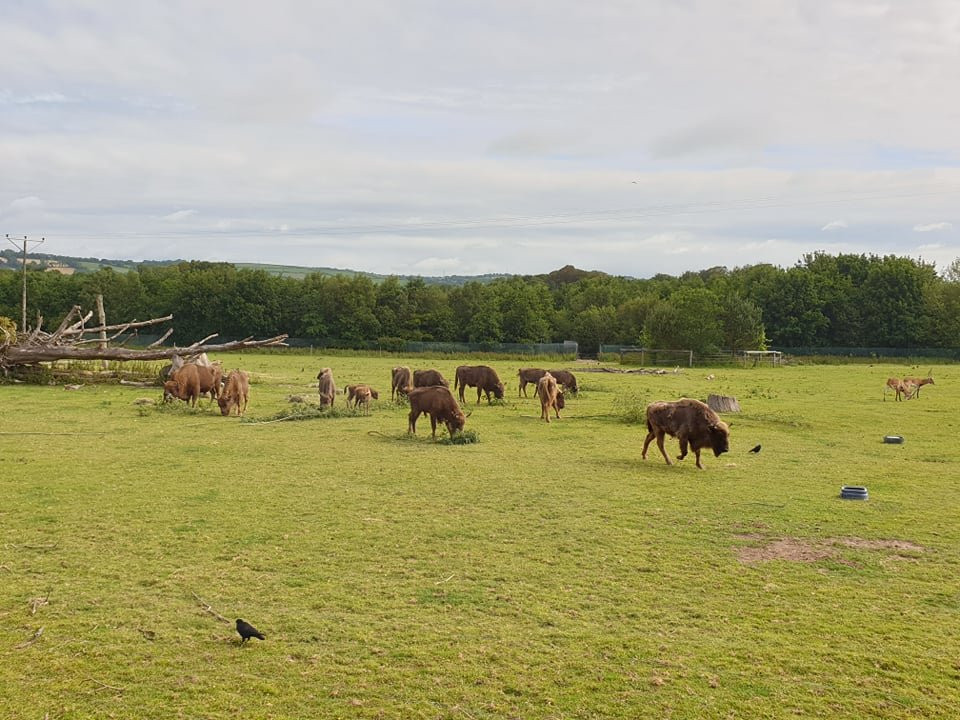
[(16, 355)]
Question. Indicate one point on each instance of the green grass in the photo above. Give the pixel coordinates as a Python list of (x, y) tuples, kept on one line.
[(544, 572)]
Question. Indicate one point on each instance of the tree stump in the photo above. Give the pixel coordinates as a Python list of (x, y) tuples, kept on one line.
[(723, 403)]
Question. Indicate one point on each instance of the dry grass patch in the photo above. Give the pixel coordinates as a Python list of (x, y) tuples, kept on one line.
[(810, 551)]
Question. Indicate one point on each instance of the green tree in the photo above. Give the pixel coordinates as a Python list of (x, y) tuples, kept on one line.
[(688, 320), (741, 325)]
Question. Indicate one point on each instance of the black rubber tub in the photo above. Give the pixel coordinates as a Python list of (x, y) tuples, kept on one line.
[(853, 492)]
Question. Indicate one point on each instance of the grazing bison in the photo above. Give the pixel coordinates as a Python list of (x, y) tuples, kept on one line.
[(440, 404), (428, 378), (184, 384), (236, 393), (551, 396), (401, 380), (482, 377), (528, 375), (692, 422), (567, 379), (326, 387), (191, 381)]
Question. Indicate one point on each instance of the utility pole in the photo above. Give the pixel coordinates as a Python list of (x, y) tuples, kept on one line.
[(23, 269)]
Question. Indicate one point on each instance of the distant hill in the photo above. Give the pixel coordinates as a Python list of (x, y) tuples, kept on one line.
[(69, 265)]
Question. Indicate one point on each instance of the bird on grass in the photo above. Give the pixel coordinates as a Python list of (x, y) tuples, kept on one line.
[(754, 449), (248, 631)]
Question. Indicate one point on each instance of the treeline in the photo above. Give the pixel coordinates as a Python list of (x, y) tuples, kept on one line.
[(825, 300)]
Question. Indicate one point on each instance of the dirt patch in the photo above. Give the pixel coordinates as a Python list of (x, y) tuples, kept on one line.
[(810, 551), (792, 549), (903, 545)]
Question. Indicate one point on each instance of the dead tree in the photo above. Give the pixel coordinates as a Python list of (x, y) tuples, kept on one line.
[(67, 342)]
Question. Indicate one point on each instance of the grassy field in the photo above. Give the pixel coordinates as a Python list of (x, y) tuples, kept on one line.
[(543, 572)]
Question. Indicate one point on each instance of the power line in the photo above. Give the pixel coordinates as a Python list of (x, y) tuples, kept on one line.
[(23, 300)]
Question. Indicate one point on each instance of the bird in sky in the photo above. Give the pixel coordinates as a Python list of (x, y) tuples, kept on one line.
[(754, 449), (248, 631)]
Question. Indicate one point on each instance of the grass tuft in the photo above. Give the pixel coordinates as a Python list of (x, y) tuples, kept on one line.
[(465, 437), (308, 411)]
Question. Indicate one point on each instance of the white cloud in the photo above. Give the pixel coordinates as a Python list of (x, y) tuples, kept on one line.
[(22, 205), (511, 134), (933, 227), (179, 215)]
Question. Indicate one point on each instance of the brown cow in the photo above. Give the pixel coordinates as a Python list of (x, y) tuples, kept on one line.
[(440, 404), (401, 380), (551, 396), (528, 375), (236, 393), (428, 378), (567, 379), (692, 422), (326, 387), (918, 383), (184, 384), (482, 377)]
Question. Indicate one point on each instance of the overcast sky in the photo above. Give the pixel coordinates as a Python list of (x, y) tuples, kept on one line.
[(465, 137)]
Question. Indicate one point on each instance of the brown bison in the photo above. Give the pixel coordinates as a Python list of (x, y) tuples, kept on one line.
[(211, 379), (236, 393), (551, 396), (184, 384), (567, 379), (428, 378), (482, 377), (401, 380), (528, 375), (191, 381), (360, 395), (326, 387), (692, 422), (440, 404)]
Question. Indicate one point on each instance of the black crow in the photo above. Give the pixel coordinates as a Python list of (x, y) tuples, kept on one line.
[(248, 631), (755, 449)]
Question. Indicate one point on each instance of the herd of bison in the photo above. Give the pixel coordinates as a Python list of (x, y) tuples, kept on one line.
[(692, 422)]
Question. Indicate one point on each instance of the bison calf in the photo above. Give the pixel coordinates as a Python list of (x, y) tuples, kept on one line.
[(551, 396), (236, 393), (360, 395), (692, 422)]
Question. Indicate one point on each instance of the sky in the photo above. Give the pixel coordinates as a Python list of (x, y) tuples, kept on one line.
[(434, 138)]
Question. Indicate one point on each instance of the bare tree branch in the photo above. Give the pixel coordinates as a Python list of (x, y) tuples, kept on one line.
[(24, 356)]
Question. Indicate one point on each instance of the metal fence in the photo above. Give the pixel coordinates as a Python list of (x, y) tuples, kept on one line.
[(877, 353), (398, 345)]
